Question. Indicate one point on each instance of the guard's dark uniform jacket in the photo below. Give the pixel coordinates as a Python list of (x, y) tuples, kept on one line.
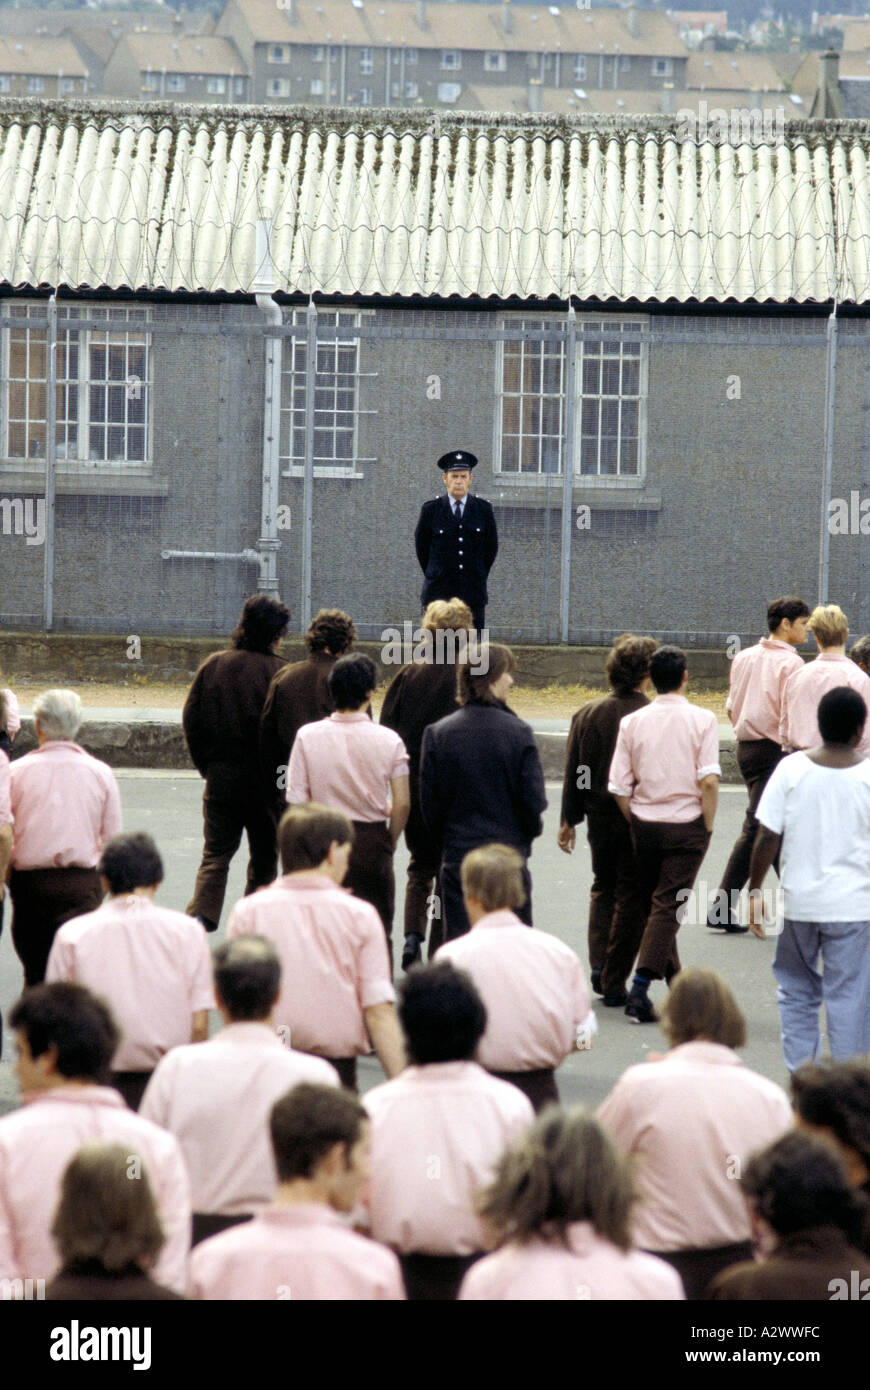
[(456, 557)]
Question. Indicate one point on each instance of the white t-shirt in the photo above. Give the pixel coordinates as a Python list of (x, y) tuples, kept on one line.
[(823, 815)]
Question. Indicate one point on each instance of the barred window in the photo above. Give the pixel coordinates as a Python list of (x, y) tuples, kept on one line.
[(609, 397), (103, 386), (336, 393)]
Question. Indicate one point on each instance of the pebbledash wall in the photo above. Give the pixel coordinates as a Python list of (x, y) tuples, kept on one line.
[(727, 513)]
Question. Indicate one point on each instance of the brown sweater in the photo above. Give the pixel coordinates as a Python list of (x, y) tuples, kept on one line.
[(802, 1268), (298, 695), (591, 741), (221, 715)]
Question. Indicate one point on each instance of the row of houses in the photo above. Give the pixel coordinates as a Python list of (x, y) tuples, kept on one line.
[(557, 58), (261, 328)]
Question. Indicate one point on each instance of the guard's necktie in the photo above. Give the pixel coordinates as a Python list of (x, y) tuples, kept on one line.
[(457, 512)]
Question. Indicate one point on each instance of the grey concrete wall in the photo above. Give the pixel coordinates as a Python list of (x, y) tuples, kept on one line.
[(727, 517)]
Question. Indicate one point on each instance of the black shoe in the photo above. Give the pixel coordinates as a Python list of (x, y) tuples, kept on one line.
[(413, 952), (615, 1001), (640, 1010), (595, 978), (732, 926)]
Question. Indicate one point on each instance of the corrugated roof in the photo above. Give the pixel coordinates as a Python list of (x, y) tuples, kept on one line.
[(380, 203), (458, 25)]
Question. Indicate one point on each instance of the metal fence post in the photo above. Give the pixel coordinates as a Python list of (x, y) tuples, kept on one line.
[(830, 391), (308, 483), (50, 465), (568, 473)]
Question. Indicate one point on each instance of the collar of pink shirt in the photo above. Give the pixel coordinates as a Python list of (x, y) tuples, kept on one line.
[(258, 1034), (710, 1053), (671, 697), (502, 917), (79, 1095), (348, 716), (301, 1214), (834, 656), (441, 1071), (776, 642), (299, 885), (54, 743)]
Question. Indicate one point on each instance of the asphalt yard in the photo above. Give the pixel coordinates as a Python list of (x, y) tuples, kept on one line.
[(168, 805)]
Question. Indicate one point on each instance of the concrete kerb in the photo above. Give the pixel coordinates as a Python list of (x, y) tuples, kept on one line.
[(154, 739)]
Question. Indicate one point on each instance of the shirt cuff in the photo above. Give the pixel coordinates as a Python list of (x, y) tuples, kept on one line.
[(619, 791), (378, 993), (706, 771)]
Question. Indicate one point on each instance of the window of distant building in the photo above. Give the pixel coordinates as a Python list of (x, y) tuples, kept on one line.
[(317, 87), (35, 84), (278, 53), (580, 66), (410, 55), (494, 62), (449, 91), (451, 59), (366, 60), (175, 83), (336, 394), (278, 87), (216, 85), (662, 67)]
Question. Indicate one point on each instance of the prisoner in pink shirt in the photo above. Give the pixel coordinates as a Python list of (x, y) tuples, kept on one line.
[(662, 753), (36, 1144), (799, 727), (691, 1120), (333, 963), (437, 1133), (758, 677), (533, 987), (347, 762), (13, 713), (589, 1268), (5, 791), (299, 1252), (66, 805), (215, 1097), (151, 964)]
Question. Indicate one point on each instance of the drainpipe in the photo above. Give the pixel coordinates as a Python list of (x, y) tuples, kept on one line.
[(269, 544), (50, 466)]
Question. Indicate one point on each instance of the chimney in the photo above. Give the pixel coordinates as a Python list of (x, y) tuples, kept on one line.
[(420, 13), (631, 20), (828, 101), (534, 94), (507, 19)]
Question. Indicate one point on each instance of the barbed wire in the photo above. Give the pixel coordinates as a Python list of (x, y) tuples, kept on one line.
[(603, 208)]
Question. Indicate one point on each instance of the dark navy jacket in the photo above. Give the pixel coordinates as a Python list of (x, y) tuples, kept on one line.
[(481, 781), (438, 542)]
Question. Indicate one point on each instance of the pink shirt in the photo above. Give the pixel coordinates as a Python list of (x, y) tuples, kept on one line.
[(215, 1097), (13, 714), (36, 1144), (533, 987), (347, 762), (661, 754), (437, 1133), (5, 790), (298, 1252), (592, 1268), (758, 677), (151, 965), (66, 805), (691, 1120), (333, 960), (799, 726)]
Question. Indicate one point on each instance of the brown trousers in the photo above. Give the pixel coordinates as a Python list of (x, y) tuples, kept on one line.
[(370, 873), (211, 1223), (540, 1086), (617, 906), (42, 900), (668, 856), (756, 759), (131, 1085), (233, 802)]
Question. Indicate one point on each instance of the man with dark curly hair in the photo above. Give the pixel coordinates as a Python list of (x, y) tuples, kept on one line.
[(300, 694), (221, 720)]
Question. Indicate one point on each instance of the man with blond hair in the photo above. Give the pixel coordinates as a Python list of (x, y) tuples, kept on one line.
[(531, 983), (419, 695), (66, 806), (798, 725)]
